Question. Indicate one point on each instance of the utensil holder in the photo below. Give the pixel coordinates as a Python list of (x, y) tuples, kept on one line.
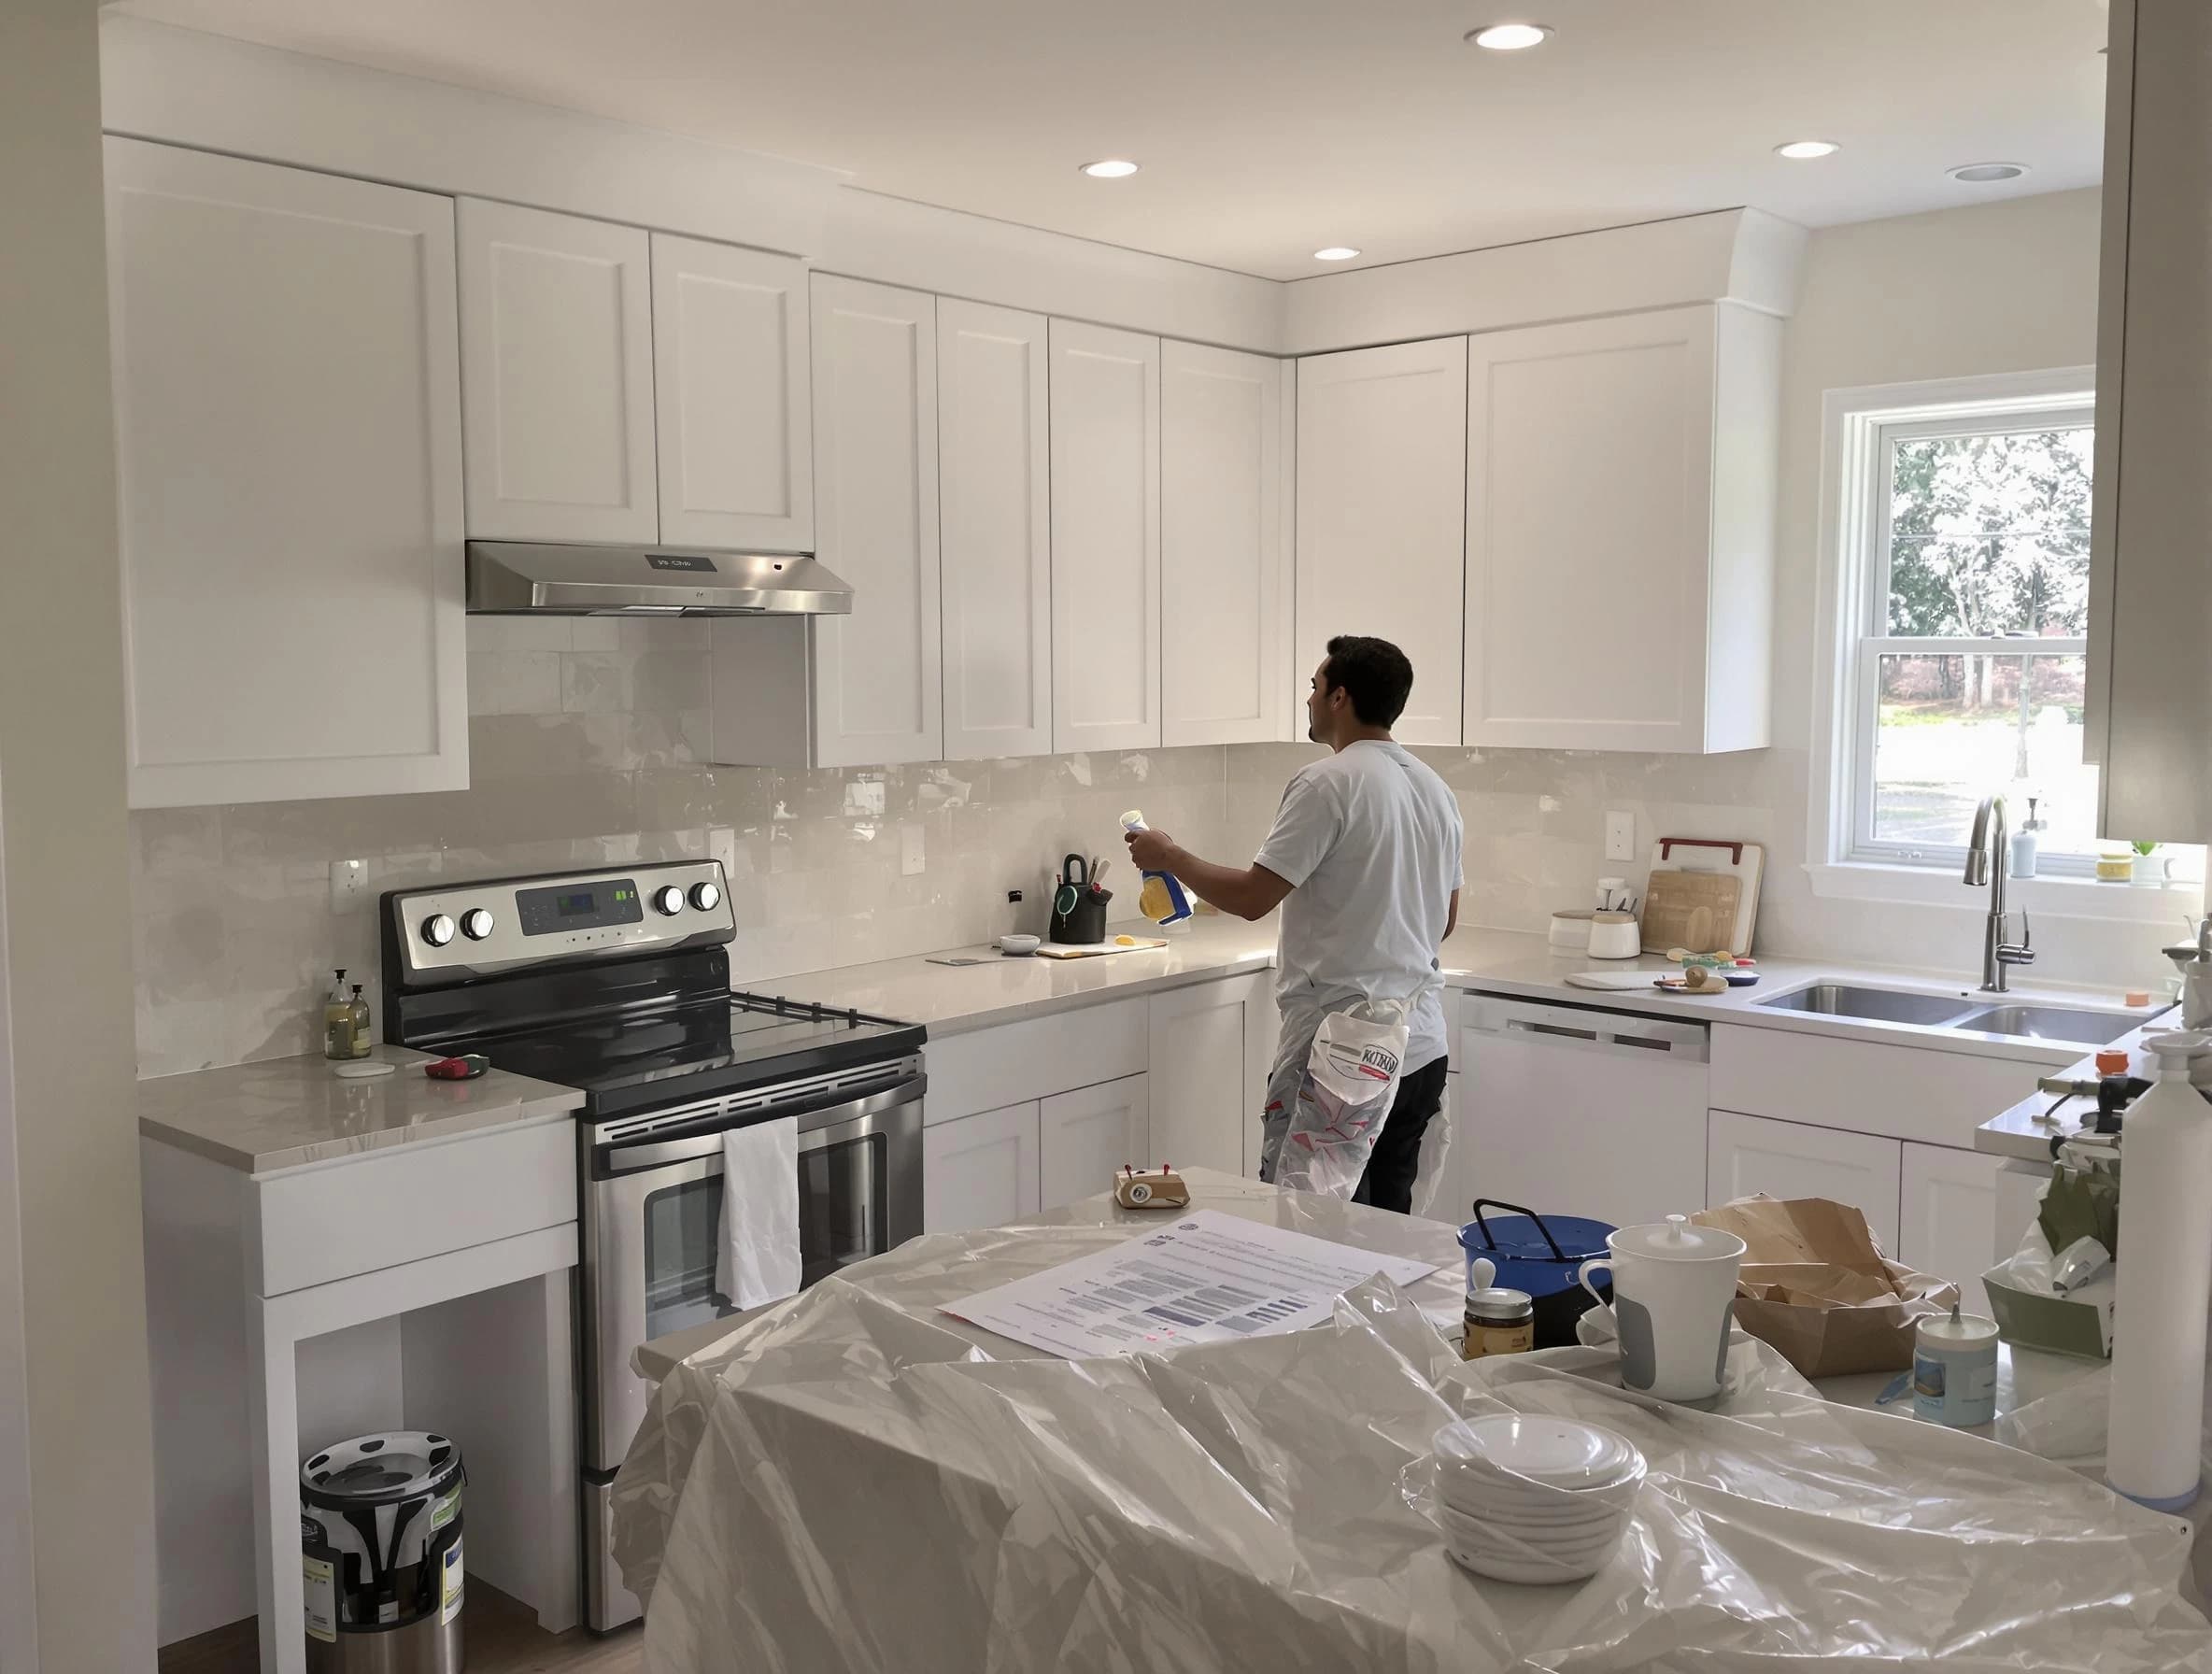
[(1614, 936), (1084, 924)]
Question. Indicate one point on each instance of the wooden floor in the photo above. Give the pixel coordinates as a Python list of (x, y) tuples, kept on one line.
[(503, 1638)]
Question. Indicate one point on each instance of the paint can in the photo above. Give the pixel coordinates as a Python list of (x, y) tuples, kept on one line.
[(1955, 1370)]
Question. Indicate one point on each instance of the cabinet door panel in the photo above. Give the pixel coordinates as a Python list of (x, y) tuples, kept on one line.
[(289, 443), (1784, 1159), (1589, 482), (1381, 451), (1105, 538), (1224, 664), (995, 514), (980, 1171), (878, 683), (1199, 1105), (733, 391), (1084, 1138), (1947, 1217), (557, 376)]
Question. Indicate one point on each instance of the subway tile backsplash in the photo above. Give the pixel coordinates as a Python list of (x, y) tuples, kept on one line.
[(585, 736)]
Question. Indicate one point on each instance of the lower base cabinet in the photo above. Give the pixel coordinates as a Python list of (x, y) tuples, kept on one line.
[(1087, 1136), (1789, 1159), (1947, 1217), (980, 1171), (1204, 1039)]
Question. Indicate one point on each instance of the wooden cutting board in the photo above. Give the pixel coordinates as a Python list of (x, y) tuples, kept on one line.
[(1727, 856), (1695, 910)]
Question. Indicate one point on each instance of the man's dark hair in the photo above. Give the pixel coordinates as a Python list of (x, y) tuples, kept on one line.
[(1375, 676)]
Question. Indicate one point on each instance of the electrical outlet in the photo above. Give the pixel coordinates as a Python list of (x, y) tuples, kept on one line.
[(349, 885), (1620, 836), (910, 848)]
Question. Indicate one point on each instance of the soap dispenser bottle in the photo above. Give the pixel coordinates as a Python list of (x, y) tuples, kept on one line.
[(2164, 1273), (357, 1014), (338, 1019), (2020, 862)]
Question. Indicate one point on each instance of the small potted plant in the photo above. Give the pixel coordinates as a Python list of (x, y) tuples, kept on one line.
[(2152, 869)]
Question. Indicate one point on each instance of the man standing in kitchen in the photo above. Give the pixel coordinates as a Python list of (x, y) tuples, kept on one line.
[(1364, 860)]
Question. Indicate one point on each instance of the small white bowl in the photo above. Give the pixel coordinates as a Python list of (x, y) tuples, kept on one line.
[(1018, 945)]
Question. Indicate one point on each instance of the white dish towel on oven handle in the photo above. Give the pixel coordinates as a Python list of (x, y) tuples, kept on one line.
[(757, 1261), (1343, 1097)]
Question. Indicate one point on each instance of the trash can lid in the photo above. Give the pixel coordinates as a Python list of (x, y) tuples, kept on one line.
[(380, 1469)]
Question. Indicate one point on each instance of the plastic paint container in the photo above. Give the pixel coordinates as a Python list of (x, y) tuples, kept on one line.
[(1955, 1370)]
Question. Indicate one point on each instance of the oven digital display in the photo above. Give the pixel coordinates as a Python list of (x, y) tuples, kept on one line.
[(559, 910)]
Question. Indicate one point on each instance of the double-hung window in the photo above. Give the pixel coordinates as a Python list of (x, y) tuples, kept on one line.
[(1963, 557)]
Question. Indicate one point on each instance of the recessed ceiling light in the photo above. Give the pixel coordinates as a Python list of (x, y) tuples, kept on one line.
[(1510, 37), (1977, 174), (1334, 252), (1109, 168), (1798, 150)]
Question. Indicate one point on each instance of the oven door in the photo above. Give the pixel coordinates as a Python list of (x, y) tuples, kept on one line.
[(653, 1217)]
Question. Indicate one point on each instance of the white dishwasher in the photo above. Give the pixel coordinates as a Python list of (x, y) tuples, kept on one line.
[(1576, 1109)]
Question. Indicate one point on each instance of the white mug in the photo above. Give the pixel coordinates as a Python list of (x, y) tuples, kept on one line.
[(1674, 1292)]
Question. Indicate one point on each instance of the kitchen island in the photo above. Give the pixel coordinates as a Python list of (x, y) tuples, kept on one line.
[(852, 1480)]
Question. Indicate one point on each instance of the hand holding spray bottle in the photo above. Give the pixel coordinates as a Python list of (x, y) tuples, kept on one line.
[(1163, 899)]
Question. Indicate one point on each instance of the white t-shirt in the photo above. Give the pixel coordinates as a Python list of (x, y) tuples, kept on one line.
[(1369, 840)]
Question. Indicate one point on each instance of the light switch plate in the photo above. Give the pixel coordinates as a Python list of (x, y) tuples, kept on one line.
[(349, 885), (910, 848), (1620, 836)]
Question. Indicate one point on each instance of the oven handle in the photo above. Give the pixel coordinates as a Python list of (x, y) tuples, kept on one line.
[(624, 1159)]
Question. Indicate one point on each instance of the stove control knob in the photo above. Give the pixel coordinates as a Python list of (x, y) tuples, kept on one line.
[(705, 896), (437, 929), (476, 923), (668, 899)]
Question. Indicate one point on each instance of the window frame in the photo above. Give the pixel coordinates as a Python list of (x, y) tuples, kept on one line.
[(1860, 429)]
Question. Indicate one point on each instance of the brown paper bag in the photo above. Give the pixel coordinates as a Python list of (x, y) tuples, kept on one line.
[(1815, 1285)]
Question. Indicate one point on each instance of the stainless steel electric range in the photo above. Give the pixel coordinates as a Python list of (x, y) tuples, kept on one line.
[(615, 982)]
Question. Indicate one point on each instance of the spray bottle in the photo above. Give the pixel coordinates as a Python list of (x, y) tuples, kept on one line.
[(2163, 1269), (1163, 899)]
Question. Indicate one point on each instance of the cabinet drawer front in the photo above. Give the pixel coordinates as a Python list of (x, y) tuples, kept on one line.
[(383, 1209), (1863, 1086), (992, 1066)]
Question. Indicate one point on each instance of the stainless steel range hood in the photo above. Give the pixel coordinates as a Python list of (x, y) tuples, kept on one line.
[(513, 578)]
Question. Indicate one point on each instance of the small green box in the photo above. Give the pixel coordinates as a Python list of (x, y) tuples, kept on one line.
[(2077, 1325)]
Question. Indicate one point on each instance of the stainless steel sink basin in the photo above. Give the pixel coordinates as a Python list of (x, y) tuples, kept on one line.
[(1874, 1005), (2051, 1023)]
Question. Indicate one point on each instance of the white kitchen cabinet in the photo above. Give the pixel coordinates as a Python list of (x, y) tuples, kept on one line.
[(980, 1171), (1263, 1035), (1571, 1110), (994, 510), (732, 391), (1382, 464), (1200, 1044), (1619, 531), (1084, 1138), (1947, 1217), (1225, 652), (864, 687), (1105, 400), (557, 376), (288, 419), (1787, 1159)]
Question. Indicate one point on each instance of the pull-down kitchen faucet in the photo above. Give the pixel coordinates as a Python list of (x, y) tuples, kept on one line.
[(1985, 864)]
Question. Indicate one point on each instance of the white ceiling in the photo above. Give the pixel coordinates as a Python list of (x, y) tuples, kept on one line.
[(1268, 128)]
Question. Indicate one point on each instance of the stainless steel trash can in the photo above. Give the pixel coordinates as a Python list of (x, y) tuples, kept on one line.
[(381, 1556)]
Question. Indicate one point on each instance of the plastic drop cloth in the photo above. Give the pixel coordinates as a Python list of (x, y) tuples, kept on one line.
[(853, 1481)]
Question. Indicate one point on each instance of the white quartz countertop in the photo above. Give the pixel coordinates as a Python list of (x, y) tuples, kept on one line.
[(2026, 1130), (288, 1112), (953, 999)]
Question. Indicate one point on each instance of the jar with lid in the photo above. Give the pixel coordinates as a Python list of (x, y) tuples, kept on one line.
[(1499, 1322)]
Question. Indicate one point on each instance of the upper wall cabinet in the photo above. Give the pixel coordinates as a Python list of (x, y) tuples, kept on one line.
[(1382, 454), (288, 415), (995, 516), (732, 389), (1105, 538), (557, 338), (865, 688), (1619, 531), (1224, 651)]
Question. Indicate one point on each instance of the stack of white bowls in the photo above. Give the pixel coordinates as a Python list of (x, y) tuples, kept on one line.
[(1526, 1498)]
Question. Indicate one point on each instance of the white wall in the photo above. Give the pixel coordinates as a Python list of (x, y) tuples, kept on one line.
[(1998, 288), (74, 1160)]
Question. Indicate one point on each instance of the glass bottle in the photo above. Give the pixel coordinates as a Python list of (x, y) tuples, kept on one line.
[(338, 1019), (357, 1017)]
